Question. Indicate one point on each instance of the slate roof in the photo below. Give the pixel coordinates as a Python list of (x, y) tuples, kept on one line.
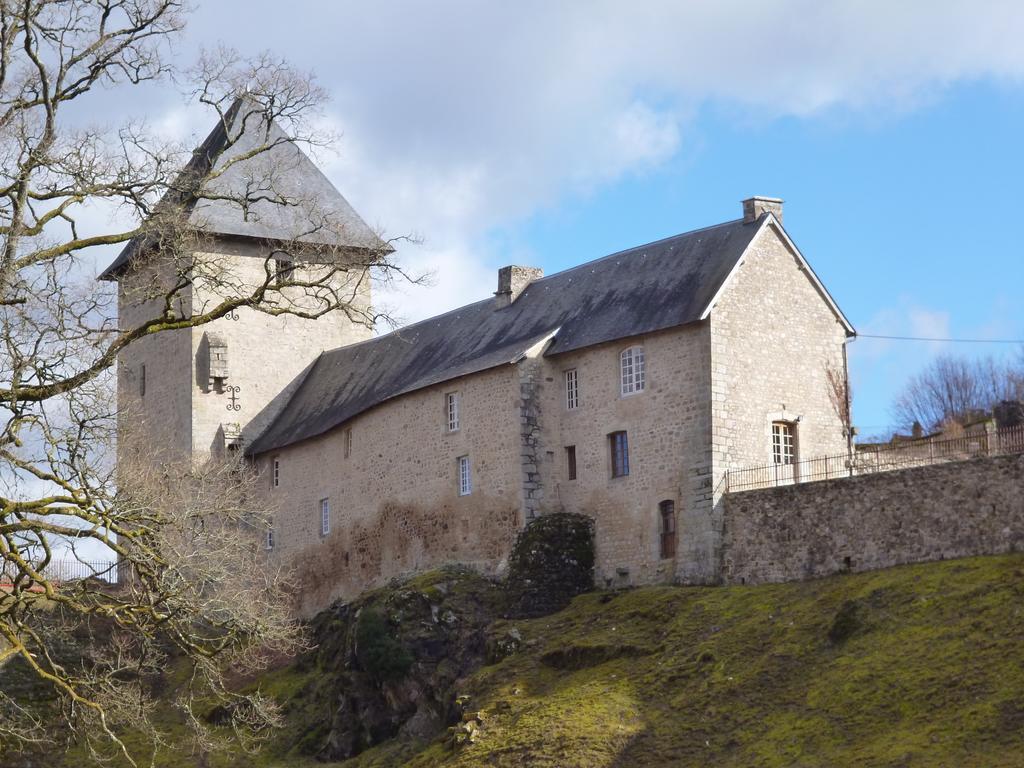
[(318, 214), (651, 287)]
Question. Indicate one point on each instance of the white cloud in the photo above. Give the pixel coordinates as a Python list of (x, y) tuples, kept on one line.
[(460, 117)]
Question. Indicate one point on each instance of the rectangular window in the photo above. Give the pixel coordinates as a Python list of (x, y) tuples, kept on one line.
[(667, 513), (348, 442), (782, 442), (283, 270), (465, 480), (275, 474), (620, 453), (572, 390), (325, 516), (142, 380), (270, 537), (570, 461), (632, 367), (452, 406)]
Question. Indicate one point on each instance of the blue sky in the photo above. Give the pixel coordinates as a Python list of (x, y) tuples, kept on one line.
[(551, 133), (910, 220)]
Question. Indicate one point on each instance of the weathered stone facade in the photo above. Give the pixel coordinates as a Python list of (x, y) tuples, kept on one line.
[(388, 479), (183, 410), (394, 499), (794, 532)]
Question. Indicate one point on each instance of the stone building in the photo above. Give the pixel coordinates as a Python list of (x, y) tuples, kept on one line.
[(622, 388)]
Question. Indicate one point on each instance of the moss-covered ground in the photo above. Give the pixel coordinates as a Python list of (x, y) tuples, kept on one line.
[(914, 666)]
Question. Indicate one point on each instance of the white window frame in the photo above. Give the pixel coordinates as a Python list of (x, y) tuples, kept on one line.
[(572, 389), (269, 542), (783, 443), (632, 370), (275, 472), (465, 475), (325, 516), (452, 410)]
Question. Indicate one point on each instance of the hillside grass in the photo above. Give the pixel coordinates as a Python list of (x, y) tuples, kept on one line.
[(919, 665), (925, 668)]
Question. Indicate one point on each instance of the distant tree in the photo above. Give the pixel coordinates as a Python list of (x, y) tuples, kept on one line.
[(952, 390), (187, 538)]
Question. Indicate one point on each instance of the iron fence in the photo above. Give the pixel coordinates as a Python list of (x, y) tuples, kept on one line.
[(880, 458), (64, 570)]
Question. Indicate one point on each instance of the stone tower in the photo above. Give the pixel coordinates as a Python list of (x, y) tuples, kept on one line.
[(268, 216)]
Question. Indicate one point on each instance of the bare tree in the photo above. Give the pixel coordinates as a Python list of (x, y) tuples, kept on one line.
[(186, 536), (952, 390)]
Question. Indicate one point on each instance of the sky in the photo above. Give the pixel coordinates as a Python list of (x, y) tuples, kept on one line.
[(548, 134)]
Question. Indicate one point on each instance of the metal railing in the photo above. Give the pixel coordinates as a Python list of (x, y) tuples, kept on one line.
[(880, 458), (63, 570)]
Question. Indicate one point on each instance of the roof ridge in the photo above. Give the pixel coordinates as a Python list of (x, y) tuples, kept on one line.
[(464, 307), (637, 248)]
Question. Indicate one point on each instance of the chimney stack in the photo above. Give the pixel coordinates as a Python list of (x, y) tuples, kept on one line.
[(513, 280), (753, 207)]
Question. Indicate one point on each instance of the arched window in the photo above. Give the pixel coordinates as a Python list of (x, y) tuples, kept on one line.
[(631, 368), (667, 520)]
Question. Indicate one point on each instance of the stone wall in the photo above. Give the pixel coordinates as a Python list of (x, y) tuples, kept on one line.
[(668, 430), (181, 412), (392, 487), (802, 531), (773, 336)]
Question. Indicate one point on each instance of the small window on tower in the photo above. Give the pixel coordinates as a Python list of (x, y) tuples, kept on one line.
[(275, 472), (142, 380), (570, 461), (270, 537), (284, 270)]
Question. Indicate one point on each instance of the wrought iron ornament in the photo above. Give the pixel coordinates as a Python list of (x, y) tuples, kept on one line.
[(233, 390)]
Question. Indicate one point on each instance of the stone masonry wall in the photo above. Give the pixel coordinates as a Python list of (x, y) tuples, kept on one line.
[(773, 335), (668, 429), (160, 420), (951, 510), (266, 354), (395, 506)]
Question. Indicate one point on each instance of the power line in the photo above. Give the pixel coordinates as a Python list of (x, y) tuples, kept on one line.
[(929, 338)]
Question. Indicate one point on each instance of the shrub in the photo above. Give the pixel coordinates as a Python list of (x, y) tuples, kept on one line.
[(379, 652)]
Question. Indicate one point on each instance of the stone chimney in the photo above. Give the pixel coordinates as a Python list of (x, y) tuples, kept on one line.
[(513, 280), (753, 207)]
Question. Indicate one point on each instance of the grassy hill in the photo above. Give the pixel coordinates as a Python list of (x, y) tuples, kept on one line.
[(913, 666)]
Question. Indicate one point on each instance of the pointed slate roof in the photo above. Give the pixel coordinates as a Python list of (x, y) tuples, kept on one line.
[(316, 213), (652, 287)]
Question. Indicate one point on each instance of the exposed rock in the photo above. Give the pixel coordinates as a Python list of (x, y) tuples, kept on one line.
[(390, 661)]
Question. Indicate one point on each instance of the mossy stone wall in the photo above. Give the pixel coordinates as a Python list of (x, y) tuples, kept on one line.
[(552, 562)]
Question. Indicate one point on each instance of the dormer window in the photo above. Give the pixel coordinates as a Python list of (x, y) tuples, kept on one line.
[(631, 369)]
